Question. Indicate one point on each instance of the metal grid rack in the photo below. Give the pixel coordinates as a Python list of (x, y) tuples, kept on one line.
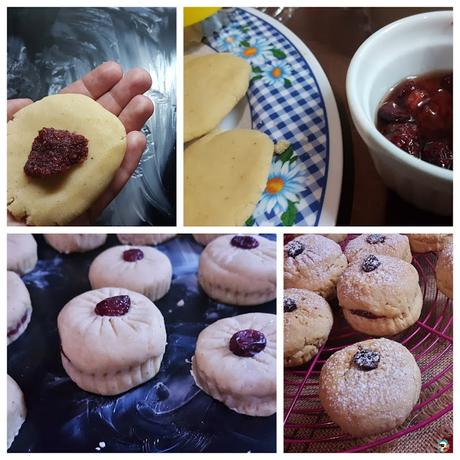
[(307, 427)]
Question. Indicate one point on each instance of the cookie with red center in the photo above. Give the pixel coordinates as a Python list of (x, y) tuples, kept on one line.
[(235, 363), (112, 340), (141, 269), (19, 307)]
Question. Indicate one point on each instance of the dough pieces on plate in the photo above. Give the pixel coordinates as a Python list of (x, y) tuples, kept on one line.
[(213, 85), (57, 200), (225, 175)]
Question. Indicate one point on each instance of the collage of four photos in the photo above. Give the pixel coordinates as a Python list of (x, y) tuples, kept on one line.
[(288, 168)]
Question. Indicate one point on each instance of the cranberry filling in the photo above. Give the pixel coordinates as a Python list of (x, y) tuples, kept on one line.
[(133, 255), (244, 242), (113, 306), (18, 325), (55, 151), (294, 248), (366, 360), (289, 304), (375, 238), (370, 263), (247, 343)]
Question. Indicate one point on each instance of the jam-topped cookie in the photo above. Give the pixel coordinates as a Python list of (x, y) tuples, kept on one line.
[(235, 363), (19, 307), (313, 262), (75, 242), (239, 269), (370, 387), (139, 268), (307, 323), (389, 244), (380, 295), (112, 340)]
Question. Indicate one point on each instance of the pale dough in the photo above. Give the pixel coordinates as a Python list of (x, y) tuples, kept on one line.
[(245, 384), (213, 85), (110, 354), (225, 175), (19, 307), (58, 200), (150, 276), (75, 242), (145, 238), (205, 238), (16, 410), (22, 253)]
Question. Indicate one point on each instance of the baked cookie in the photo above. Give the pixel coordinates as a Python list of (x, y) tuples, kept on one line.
[(313, 262), (141, 269), (337, 237), (75, 242), (59, 147), (428, 242), (16, 410), (112, 340), (370, 387), (22, 253), (205, 238), (19, 307), (142, 239), (444, 270), (239, 269), (380, 296), (391, 244), (307, 323), (235, 363)]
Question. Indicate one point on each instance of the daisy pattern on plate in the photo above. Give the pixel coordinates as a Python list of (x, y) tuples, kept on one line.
[(279, 73), (255, 51), (229, 40)]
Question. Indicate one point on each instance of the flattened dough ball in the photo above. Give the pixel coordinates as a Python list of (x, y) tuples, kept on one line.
[(76, 242), (112, 340), (22, 253), (142, 239), (16, 410), (225, 175), (141, 269), (205, 238), (58, 199), (213, 85), (235, 363), (19, 307)]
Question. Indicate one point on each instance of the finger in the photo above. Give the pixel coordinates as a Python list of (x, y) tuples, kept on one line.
[(97, 82), (136, 113), (135, 81), (136, 142), (14, 105)]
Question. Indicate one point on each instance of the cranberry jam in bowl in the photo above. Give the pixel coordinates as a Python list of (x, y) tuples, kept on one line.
[(399, 90)]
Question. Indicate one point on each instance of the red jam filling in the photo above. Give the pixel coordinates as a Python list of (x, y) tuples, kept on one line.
[(18, 325), (247, 343), (113, 306), (366, 360), (416, 116), (55, 151), (133, 255)]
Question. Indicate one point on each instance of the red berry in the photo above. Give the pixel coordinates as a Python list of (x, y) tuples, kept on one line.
[(393, 113), (113, 306), (438, 153), (133, 255), (403, 89), (435, 117), (247, 343), (405, 136), (446, 82), (415, 99)]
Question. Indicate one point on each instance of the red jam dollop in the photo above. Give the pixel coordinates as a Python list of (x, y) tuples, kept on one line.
[(113, 306), (133, 255), (247, 343)]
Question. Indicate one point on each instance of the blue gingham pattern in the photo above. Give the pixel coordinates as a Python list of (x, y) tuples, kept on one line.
[(295, 114)]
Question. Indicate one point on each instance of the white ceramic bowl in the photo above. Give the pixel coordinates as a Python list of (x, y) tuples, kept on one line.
[(411, 46)]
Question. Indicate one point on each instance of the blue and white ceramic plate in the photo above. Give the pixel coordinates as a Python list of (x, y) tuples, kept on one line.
[(291, 100)]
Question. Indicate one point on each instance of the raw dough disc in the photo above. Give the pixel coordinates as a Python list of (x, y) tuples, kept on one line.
[(58, 200), (225, 175), (213, 85), (16, 410)]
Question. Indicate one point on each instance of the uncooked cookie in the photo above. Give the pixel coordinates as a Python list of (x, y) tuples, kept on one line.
[(307, 323), (16, 410), (235, 363), (428, 242), (444, 270), (76, 242), (337, 237), (205, 238), (112, 340), (225, 175), (141, 269), (239, 269), (21, 253), (313, 262), (391, 244), (213, 85), (19, 307), (380, 295), (58, 199), (370, 387), (142, 239)]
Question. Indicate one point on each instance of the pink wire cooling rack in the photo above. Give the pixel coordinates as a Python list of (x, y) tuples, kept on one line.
[(307, 427)]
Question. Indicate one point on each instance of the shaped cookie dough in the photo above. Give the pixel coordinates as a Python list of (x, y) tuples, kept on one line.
[(59, 198), (213, 85), (225, 175), (19, 307), (22, 253), (75, 242), (145, 238), (16, 410)]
